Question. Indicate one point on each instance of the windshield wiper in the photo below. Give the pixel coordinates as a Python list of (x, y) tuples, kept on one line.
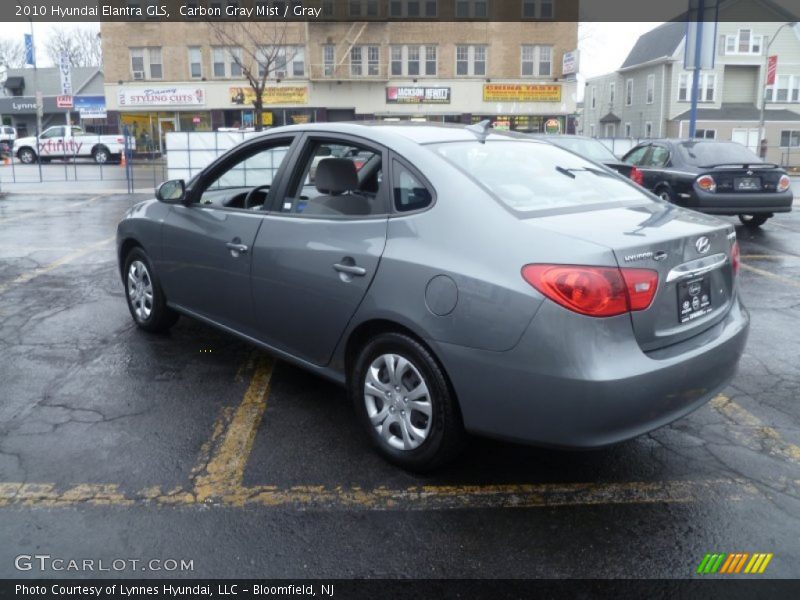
[(570, 172)]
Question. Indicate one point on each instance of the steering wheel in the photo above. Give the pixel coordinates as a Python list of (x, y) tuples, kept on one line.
[(251, 194)]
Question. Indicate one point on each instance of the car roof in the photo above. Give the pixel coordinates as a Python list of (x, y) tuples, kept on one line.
[(420, 133)]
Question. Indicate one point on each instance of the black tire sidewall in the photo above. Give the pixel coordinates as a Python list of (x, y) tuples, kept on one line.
[(446, 429), (752, 220)]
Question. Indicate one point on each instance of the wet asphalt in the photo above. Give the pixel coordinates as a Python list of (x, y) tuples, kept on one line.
[(107, 433)]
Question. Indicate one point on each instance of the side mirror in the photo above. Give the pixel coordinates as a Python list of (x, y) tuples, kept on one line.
[(172, 191)]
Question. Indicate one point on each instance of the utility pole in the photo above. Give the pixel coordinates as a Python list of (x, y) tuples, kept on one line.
[(39, 100)]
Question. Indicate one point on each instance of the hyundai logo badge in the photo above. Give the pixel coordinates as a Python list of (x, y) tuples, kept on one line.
[(702, 244)]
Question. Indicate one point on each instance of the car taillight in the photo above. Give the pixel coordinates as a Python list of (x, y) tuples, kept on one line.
[(594, 291), (707, 183), (636, 176), (783, 183), (735, 258)]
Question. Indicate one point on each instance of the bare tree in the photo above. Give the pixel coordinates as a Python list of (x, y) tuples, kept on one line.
[(12, 54), (260, 50), (81, 45)]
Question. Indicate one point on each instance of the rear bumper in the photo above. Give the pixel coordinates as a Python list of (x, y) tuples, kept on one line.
[(567, 387), (734, 204)]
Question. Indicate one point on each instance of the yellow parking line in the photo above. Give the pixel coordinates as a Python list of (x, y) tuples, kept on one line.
[(762, 272), (224, 472), (758, 435), (426, 497), (26, 277), (39, 211)]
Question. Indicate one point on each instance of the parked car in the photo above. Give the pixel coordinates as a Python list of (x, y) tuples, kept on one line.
[(7, 136), (460, 280), (715, 177), (594, 150), (71, 142)]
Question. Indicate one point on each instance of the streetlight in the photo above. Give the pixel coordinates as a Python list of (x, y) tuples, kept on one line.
[(762, 132)]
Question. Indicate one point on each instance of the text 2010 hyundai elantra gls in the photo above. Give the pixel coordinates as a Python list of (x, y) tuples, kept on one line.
[(454, 279)]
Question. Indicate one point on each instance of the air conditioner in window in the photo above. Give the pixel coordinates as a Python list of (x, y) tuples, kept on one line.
[(279, 74), (138, 74)]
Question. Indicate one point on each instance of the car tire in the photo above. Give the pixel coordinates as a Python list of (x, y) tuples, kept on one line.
[(146, 300), (753, 221), (417, 433), (26, 156), (101, 155), (665, 193)]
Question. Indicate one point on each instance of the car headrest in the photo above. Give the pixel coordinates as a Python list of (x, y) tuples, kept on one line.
[(336, 176)]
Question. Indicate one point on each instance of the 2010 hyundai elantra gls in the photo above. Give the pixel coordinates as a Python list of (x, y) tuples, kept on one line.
[(455, 279)]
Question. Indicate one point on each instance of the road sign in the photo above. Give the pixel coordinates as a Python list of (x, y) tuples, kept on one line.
[(64, 101), (772, 68)]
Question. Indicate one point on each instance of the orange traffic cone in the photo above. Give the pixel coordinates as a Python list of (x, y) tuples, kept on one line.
[(6, 160), (122, 159)]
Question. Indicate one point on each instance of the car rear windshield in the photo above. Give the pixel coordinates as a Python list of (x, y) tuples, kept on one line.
[(706, 154), (530, 176), (591, 149)]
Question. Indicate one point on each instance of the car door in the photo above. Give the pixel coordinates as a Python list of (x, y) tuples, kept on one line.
[(318, 250), (51, 142), (654, 165), (207, 244)]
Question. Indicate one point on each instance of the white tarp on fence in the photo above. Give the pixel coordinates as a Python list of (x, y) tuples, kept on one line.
[(190, 152)]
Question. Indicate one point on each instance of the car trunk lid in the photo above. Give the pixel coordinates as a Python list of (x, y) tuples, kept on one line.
[(689, 251)]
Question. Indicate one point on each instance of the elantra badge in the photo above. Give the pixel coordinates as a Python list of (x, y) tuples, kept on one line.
[(702, 244)]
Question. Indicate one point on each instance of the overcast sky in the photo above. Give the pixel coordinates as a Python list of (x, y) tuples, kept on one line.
[(603, 45)]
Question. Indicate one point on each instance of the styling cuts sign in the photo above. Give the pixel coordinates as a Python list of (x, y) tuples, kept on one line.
[(162, 96)]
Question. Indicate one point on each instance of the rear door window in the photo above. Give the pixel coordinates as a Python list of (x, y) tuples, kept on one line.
[(636, 156), (408, 189), (658, 157)]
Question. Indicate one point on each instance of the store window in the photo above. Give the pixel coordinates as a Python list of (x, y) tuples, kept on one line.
[(537, 60), (472, 9), (195, 62), (471, 60), (705, 87), (365, 61), (227, 62), (328, 60), (146, 63), (412, 8), (790, 138), (362, 8), (705, 134), (281, 62), (413, 61), (537, 9)]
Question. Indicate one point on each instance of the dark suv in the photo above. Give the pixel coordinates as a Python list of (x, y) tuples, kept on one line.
[(716, 177)]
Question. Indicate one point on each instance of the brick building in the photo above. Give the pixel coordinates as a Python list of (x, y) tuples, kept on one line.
[(163, 76)]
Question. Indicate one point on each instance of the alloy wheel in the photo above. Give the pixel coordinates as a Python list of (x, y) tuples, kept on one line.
[(398, 402), (140, 290)]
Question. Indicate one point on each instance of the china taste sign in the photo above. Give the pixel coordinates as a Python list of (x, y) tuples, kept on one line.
[(418, 95), (287, 94), (521, 92), (163, 96)]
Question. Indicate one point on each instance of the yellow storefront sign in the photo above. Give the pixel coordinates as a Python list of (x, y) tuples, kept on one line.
[(295, 94), (521, 92)]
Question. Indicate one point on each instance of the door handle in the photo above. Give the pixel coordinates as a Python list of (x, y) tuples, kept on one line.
[(350, 269), (236, 248)]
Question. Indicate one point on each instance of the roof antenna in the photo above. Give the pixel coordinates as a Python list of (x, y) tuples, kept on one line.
[(481, 130)]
